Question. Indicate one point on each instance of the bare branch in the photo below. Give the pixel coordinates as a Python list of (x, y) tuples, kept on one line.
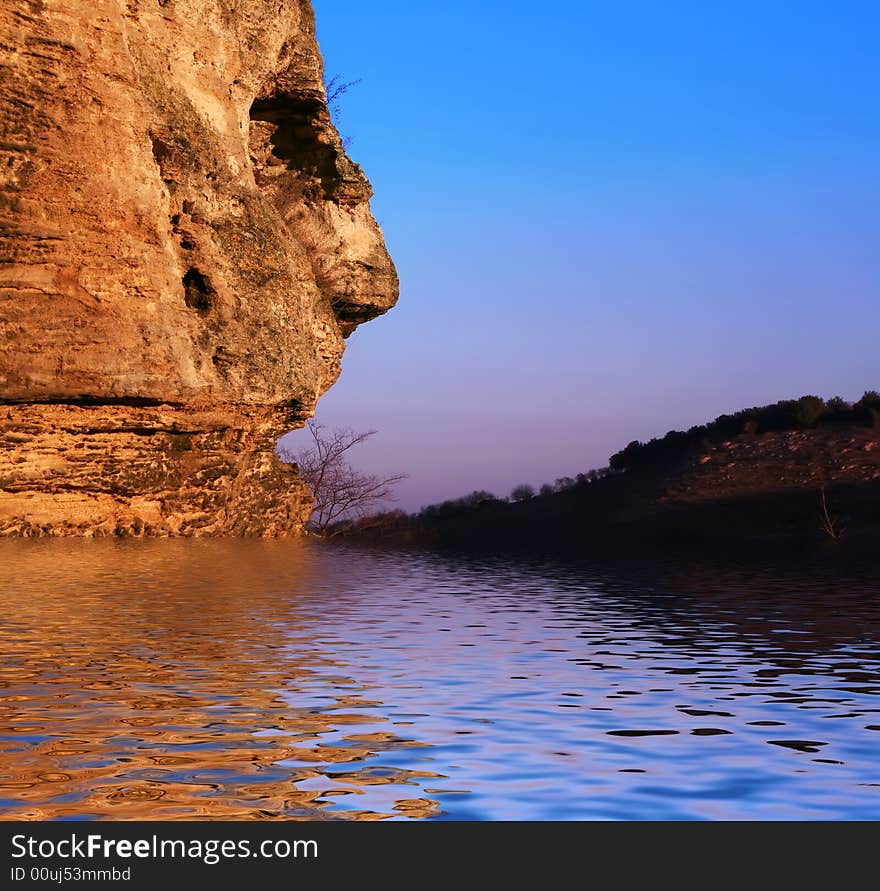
[(339, 490), (829, 524), (336, 88)]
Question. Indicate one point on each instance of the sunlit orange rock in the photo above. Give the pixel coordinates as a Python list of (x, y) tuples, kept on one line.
[(184, 246)]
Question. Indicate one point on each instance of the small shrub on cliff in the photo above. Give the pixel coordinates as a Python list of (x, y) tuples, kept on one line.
[(335, 88)]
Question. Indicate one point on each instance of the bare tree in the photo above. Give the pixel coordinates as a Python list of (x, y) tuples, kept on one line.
[(340, 491), (829, 524)]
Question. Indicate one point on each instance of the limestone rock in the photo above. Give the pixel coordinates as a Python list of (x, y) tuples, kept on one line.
[(184, 246)]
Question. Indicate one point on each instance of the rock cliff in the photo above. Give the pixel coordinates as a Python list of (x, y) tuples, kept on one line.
[(184, 246)]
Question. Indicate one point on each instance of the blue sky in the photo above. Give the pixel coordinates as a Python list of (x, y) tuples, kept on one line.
[(610, 220)]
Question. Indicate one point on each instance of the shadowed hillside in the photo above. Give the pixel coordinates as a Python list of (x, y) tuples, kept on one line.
[(804, 473)]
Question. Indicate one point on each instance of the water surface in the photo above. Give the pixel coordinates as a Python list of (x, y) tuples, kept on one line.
[(267, 680)]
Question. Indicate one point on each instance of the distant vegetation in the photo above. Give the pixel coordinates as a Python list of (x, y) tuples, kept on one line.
[(523, 492), (789, 414), (450, 511), (481, 506)]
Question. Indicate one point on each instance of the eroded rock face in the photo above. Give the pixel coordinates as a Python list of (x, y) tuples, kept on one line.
[(184, 246)]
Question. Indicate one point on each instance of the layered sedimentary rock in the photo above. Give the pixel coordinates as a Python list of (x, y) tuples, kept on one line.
[(184, 246)]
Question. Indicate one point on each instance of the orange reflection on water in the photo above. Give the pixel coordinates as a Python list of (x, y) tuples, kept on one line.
[(163, 681)]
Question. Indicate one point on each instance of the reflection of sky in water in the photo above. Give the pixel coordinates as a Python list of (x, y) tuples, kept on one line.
[(265, 680)]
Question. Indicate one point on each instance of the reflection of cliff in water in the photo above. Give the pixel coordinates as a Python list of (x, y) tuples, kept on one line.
[(182, 686)]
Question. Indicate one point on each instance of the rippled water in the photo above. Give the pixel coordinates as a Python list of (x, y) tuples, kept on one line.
[(244, 680)]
